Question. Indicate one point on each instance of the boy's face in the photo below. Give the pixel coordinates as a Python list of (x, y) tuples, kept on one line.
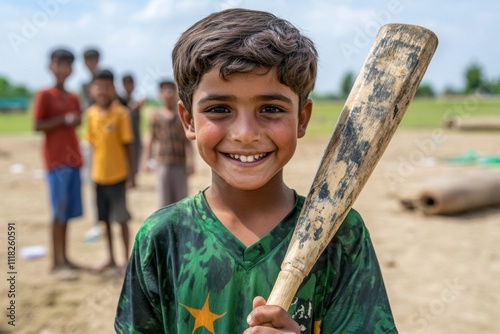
[(128, 86), (61, 69), (246, 127), (91, 63), (103, 90), (168, 96)]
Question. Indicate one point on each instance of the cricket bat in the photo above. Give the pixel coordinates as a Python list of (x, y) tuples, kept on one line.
[(374, 108)]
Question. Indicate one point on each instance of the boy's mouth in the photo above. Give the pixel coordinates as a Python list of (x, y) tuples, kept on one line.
[(247, 158)]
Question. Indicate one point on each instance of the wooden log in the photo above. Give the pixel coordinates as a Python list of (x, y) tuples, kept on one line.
[(460, 193), (473, 124)]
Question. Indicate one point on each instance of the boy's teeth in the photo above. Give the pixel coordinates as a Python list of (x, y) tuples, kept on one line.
[(247, 158)]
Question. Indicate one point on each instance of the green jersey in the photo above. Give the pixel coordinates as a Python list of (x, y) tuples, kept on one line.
[(189, 274)]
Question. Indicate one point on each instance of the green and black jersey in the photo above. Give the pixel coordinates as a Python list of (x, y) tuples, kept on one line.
[(189, 274)]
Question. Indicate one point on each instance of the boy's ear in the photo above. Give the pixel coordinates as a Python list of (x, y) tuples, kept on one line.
[(304, 117), (187, 121)]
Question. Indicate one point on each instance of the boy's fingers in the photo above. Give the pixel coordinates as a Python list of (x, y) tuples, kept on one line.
[(258, 301), (267, 315)]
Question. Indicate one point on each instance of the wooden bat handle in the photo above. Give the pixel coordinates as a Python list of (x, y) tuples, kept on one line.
[(378, 100)]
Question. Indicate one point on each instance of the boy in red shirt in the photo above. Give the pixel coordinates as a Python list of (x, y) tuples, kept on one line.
[(57, 114)]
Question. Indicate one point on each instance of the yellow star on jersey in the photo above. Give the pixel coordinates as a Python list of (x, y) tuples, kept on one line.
[(317, 330), (204, 317)]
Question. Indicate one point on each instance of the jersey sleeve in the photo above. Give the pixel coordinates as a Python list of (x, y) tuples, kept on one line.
[(360, 303), (138, 308), (40, 106), (126, 135)]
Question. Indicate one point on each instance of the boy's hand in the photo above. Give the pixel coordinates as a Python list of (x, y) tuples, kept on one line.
[(149, 165), (72, 119), (264, 316), (130, 183)]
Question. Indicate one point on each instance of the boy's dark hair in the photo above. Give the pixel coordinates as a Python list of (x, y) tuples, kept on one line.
[(239, 41), (103, 75), (62, 54), (91, 53), (128, 78), (167, 83)]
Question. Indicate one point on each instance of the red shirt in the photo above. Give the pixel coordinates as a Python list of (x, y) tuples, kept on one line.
[(61, 146)]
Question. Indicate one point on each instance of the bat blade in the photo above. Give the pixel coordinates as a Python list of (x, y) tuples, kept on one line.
[(378, 100)]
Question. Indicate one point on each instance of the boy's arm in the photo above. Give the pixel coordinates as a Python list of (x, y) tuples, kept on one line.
[(41, 123), (148, 148), (127, 138), (130, 160)]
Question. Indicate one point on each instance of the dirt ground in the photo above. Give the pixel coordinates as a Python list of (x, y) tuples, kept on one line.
[(442, 273)]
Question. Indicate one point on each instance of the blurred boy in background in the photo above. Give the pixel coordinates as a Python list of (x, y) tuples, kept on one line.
[(57, 114), (109, 132), (168, 150)]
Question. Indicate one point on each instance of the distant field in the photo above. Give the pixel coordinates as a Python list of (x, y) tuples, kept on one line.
[(422, 113)]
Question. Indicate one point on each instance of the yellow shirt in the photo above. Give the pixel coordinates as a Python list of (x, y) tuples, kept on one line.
[(108, 132)]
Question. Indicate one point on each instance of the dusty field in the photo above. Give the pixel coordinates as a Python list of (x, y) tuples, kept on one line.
[(442, 273)]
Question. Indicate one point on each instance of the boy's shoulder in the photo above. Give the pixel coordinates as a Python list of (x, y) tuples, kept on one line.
[(182, 214)]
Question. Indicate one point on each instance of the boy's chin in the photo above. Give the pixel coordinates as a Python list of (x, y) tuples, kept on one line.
[(104, 102)]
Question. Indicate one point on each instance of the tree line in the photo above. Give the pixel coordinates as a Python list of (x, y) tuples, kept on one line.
[(475, 82), (8, 89)]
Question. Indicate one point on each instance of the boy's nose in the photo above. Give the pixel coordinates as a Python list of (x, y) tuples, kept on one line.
[(245, 129)]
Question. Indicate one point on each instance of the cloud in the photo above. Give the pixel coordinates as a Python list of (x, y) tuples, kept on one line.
[(155, 9)]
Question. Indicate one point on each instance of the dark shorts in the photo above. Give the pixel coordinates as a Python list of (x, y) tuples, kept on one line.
[(65, 193), (111, 202)]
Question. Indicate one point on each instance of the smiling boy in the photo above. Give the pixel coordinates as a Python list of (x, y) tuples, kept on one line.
[(204, 264)]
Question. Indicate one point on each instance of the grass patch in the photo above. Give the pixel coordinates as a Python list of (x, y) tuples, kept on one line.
[(421, 114), (15, 123)]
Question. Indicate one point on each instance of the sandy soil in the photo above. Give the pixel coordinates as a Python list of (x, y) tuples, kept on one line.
[(442, 273)]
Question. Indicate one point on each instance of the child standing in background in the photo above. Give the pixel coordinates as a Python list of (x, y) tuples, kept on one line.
[(134, 108), (109, 132), (57, 114), (168, 146)]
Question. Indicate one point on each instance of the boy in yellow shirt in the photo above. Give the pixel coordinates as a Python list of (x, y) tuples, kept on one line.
[(110, 133)]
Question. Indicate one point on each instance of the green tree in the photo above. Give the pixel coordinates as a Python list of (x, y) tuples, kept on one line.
[(8, 90), (474, 79), (4, 87), (425, 90), (346, 85)]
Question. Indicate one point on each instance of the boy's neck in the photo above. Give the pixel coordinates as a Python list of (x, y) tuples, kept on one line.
[(105, 107), (169, 111), (249, 215), (60, 86)]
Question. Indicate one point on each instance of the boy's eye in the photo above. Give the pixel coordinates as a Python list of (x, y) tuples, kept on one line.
[(272, 110), (217, 110)]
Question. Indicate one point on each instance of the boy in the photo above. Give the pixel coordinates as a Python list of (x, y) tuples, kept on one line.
[(173, 158), (109, 133), (244, 77), (134, 108), (91, 59), (57, 114)]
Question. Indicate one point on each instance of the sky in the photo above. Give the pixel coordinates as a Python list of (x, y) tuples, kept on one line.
[(137, 36)]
